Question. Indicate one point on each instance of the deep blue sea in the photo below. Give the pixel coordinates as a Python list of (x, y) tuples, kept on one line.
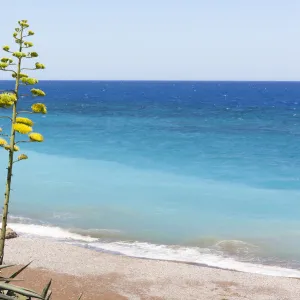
[(204, 172)]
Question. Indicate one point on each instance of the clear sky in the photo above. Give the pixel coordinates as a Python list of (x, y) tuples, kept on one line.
[(161, 39)]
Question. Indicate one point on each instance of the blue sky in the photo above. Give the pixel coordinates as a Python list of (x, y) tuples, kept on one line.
[(161, 39)]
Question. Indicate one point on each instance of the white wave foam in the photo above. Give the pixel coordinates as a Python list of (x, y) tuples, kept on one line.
[(192, 255), (49, 231), (152, 251), (19, 219)]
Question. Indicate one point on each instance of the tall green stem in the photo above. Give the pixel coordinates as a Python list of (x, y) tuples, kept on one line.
[(10, 158)]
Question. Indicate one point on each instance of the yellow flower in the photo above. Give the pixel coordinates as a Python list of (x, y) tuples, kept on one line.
[(3, 142), (22, 156), (22, 128), (30, 32), (39, 66), (19, 54), (28, 44), (6, 48), (36, 137), (23, 23), (25, 121), (7, 147), (21, 75), (33, 54), (7, 99), (16, 148), (29, 81), (38, 93), (3, 65), (39, 108)]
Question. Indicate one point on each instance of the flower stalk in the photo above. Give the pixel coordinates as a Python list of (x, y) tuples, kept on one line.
[(19, 125)]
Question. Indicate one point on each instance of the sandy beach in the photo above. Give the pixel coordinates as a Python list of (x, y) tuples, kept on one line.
[(106, 276)]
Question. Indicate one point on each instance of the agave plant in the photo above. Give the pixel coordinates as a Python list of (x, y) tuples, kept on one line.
[(15, 64), (9, 291)]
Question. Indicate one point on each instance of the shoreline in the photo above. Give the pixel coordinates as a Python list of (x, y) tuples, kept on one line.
[(144, 250), (122, 277)]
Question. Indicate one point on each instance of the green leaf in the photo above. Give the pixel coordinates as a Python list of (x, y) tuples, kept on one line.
[(19, 290), (46, 289), (8, 279), (18, 272), (5, 297), (6, 266), (49, 296)]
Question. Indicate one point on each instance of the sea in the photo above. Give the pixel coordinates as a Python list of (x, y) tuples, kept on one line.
[(200, 172)]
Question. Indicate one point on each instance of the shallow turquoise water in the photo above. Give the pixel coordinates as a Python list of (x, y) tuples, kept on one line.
[(174, 163)]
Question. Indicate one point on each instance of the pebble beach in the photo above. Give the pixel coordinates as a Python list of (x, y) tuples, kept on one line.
[(106, 276)]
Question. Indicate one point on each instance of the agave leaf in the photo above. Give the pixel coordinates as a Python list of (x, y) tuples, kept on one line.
[(5, 266), (9, 279), (19, 290), (46, 289), (5, 297), (80, 296), (18, 272), (49, 296), (19, 297)]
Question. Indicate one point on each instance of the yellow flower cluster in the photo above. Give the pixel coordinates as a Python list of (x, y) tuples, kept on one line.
[(22, 156), (28, 44), (7, 99), (33, 54), (6, 48), (23, 23), (7, 147), (39, 66), (19, 54), (39, 108), (25, 121), (36, 137), (29, 81), (38, 93), (6, 60), (22, 128), (3, 142), (3, 65), (14, 75)]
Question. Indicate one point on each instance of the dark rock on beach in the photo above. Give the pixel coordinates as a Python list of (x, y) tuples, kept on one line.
[(10, 234)]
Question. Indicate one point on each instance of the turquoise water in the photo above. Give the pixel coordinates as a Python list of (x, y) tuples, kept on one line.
[(208, 166)]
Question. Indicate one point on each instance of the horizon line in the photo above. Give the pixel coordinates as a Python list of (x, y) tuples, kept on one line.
[(158, 80)]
